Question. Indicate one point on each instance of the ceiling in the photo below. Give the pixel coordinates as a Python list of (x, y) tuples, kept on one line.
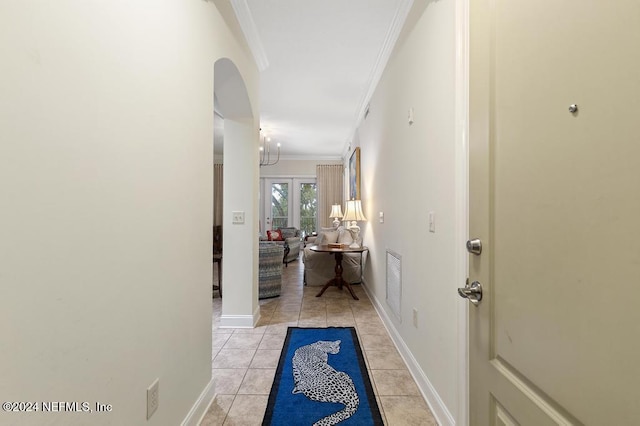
[(319, 63)]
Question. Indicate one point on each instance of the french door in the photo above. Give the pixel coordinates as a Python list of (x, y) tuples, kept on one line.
[(290, 202)]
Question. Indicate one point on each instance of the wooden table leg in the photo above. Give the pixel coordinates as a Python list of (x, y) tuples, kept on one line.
[(287, 250), (351, 290), (220, 277), (338, 281), (218, 260), (331, 282)]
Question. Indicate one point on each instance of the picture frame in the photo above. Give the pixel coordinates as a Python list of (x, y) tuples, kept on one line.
[(354, 175)]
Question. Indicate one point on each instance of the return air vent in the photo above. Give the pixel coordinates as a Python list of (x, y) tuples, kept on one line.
[(394, 282)]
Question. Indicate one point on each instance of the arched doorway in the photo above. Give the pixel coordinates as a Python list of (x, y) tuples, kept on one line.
[(240, 306)]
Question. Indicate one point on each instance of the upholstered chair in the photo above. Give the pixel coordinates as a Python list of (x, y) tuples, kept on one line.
[(269, 269)]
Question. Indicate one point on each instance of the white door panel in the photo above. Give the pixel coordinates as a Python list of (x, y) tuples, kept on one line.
[(555, 199)]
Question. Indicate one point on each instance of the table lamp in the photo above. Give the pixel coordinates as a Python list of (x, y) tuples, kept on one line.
[(353, 213), (336, 213)]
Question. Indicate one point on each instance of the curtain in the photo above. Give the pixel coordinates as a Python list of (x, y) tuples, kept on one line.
[(330, 181), (217, 195)]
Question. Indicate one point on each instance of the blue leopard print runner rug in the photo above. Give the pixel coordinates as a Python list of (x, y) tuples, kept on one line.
[(322, 380)]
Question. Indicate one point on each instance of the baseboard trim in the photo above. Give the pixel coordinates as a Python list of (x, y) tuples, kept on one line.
[(201, 406), (240, 321), (437, 406)]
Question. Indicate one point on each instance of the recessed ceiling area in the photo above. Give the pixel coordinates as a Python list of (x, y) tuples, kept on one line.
[(319, 62)]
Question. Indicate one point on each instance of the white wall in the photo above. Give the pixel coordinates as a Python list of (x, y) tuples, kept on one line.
[(294, 167), (408, 171), (240, 304), (105, 214), (286, 168)]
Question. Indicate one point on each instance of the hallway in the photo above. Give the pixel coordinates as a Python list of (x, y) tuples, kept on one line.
[(245, 360)]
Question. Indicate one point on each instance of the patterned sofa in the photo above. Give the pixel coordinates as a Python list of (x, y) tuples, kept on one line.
[(269, 269), (291, 242)]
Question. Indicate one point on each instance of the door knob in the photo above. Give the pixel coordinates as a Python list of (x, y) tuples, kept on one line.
[(472, 292), (474, 246)]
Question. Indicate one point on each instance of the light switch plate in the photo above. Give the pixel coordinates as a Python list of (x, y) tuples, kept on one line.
[(432, 222), (238, 217), (381, 217)]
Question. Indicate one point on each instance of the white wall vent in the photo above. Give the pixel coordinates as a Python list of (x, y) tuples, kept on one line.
[(394, 282)]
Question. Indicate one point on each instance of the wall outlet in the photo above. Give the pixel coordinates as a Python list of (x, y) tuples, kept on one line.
[(153, 395), (415, 317), (381, 216), (238, 217)]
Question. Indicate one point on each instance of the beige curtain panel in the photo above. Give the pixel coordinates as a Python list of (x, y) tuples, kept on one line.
[(217, 194), (330, 181)]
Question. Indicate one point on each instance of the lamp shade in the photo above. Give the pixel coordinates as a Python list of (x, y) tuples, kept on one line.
[(336, 211), (353, 211)]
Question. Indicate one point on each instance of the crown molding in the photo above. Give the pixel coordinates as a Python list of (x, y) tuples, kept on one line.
[(404, 6), (245, 19), (219, 158), (311, 157)]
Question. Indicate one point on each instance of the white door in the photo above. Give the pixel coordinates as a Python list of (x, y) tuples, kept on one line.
[(555, 201), (290, 202), (278, 203)]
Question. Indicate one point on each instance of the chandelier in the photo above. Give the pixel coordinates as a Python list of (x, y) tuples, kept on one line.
[(265, 151)]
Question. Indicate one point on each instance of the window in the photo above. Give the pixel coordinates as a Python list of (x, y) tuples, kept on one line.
[(308, 208), (290, 202), (279, 205)]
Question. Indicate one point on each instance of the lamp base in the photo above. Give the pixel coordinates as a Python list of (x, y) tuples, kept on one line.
[(355, 234)]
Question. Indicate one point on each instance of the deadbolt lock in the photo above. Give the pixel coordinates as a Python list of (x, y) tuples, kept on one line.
[(474, 246)]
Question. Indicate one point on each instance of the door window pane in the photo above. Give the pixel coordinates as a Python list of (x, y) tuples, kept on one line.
[(308, 208), (279, 205)]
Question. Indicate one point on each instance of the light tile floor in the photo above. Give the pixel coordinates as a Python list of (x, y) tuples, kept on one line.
[(245, 360)]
